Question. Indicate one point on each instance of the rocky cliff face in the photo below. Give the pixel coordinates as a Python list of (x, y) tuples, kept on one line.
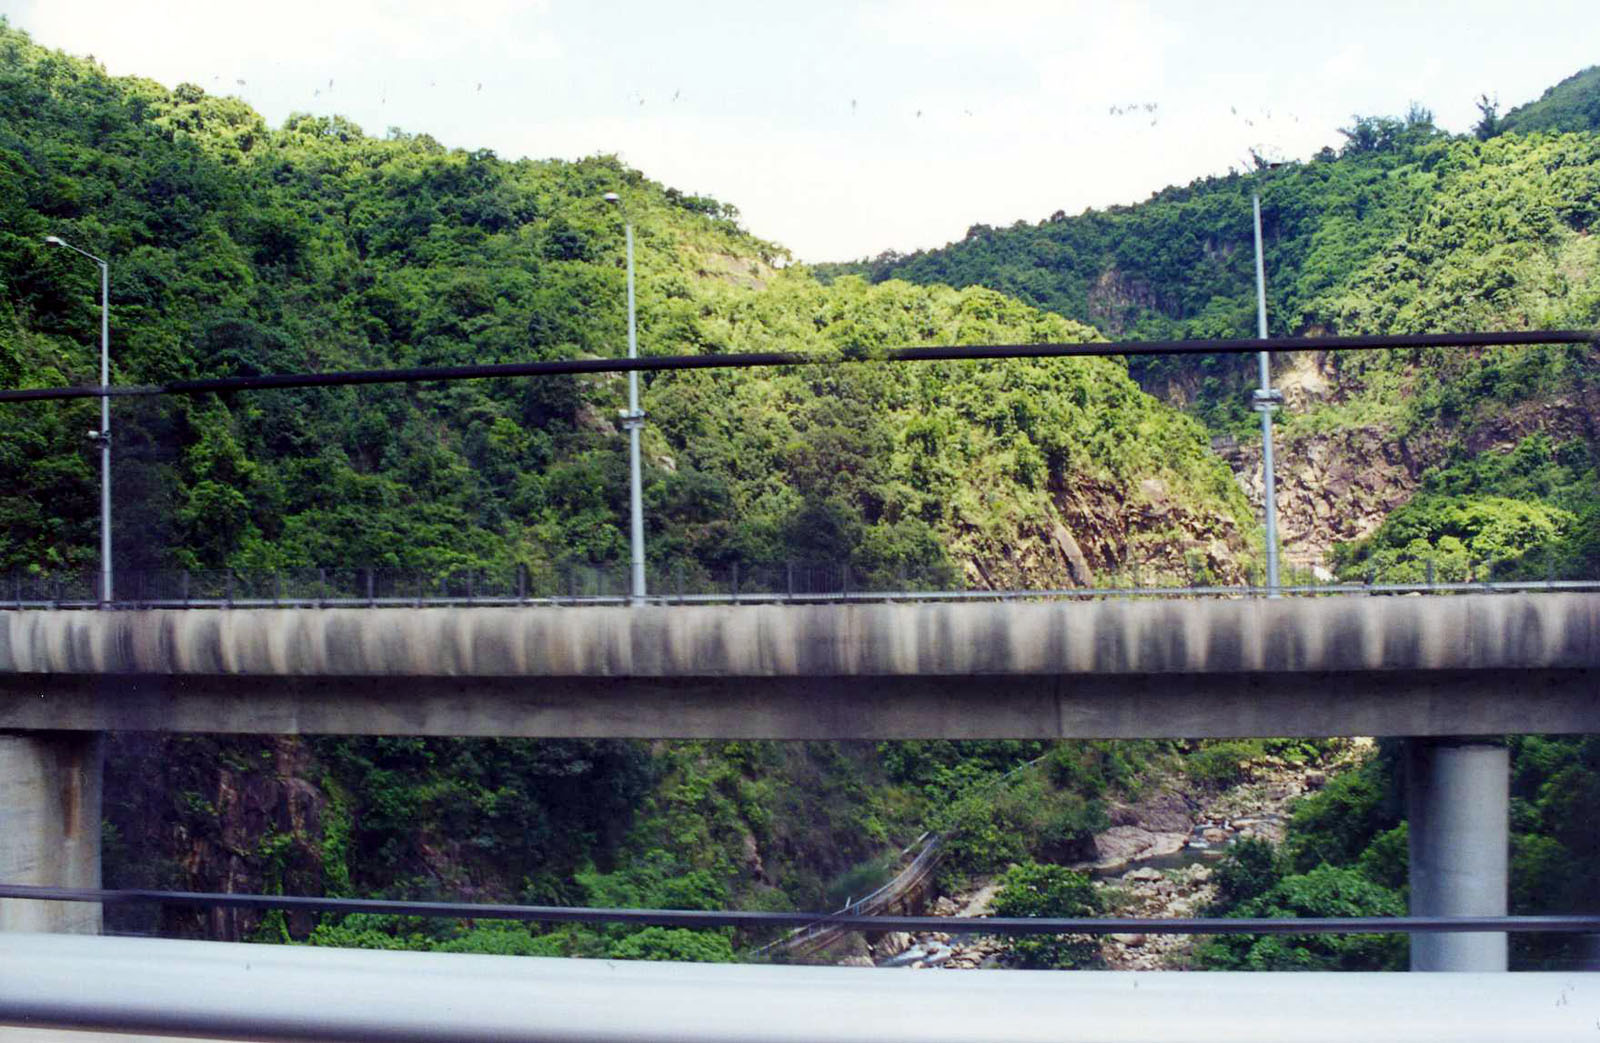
[(1332, 488), (1097, 536), (1337, 484), (1116, 298), (193, 813)]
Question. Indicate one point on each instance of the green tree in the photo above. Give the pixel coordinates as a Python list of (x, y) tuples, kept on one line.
[(1030, 889), (1324, 891)]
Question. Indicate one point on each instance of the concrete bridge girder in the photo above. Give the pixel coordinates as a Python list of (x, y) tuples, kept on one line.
[(998, 639)]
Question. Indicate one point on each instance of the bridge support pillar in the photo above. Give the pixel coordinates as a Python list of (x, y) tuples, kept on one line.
[(1458, 804), (50, 826)]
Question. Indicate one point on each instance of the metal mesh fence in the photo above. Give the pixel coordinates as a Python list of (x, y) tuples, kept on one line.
[(611, 584)]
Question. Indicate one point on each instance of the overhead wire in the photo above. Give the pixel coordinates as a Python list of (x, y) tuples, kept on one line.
[(750, 360)]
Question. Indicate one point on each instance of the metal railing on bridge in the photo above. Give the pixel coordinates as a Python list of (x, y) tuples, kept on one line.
[(783, 583)]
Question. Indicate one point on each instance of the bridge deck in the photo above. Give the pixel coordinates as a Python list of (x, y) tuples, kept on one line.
[(1419, 666)]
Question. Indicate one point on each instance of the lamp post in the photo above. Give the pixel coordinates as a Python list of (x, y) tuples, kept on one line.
[(1264, 400), (103, 436), (632, 421)]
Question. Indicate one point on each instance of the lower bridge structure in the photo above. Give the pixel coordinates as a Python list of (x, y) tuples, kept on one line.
[(1453, 673)]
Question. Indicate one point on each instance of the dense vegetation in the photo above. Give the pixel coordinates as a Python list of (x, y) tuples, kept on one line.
[(1403, 230), (1526, 513), (1346, 856), (1049, 890), (241, 249), (1572, 104)]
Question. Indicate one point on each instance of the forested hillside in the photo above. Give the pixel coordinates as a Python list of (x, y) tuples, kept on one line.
[(1404, 230), (1572, 104), (239, 249)]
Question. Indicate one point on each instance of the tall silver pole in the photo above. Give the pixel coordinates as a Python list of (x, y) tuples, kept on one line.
[(105, 435), (634, 421), (1265, 401), (102, 436)]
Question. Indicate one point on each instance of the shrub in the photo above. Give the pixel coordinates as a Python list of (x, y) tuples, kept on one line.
[(674, 943), (1031, 889), (1249, 870), (1325, 891)]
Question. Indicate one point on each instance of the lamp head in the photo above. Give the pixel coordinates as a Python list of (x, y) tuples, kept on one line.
[(54, 240), (612, 197)]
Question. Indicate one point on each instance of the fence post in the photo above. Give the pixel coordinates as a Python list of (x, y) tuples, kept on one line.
[(1429, 572), (789, 571), (735, 581), (322, 586), (277, 588), (471, 573), (184, 587), (230, 589), (522, 582), (371, 601), (844, 580)]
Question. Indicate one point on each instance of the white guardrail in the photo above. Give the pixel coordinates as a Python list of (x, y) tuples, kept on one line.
[(223, 990)]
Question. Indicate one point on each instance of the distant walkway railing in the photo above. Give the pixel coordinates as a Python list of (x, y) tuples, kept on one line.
[(824, 932), (933, 844), (606, 585)]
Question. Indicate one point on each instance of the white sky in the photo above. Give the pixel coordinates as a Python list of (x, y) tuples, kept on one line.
[(843, 129)]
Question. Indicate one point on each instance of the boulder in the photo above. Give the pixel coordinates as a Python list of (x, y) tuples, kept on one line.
[(854, 944), (891, 944), (1161, 812), (857, 961), (1122, 844)]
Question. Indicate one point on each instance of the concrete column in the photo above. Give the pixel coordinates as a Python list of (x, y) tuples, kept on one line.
[(50, 826), (1458, 804)]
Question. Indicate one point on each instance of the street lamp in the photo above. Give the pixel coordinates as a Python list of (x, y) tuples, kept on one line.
[(632, 421), (1264, 401), (101, 437)]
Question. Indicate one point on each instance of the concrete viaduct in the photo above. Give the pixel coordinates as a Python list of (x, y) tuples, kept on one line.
[(1452, 672)]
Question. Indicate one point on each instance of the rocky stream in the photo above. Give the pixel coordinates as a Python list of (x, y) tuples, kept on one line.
[(1154, 861)]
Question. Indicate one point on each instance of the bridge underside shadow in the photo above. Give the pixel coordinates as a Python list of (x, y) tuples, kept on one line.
[(1433, 703)]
